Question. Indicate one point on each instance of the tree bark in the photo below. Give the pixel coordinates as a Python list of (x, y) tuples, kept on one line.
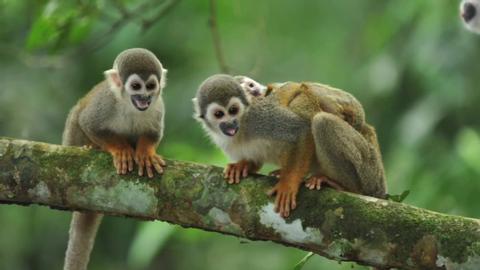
[(336, 225)]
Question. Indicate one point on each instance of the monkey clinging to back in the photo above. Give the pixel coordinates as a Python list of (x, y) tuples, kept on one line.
[(123, 115)]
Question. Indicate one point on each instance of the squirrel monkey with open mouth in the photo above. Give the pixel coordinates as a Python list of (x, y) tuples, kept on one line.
[(124, 116)]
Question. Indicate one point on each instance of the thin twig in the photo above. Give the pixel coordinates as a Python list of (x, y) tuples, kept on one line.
[(126, 17), (212, 22), (165, 8)]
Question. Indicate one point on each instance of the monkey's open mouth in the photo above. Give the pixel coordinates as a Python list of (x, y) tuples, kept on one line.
[(229, 129), (141, 102)]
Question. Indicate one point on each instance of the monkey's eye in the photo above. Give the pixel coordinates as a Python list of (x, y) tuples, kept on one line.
[(233, 110), (251, 85), (136, 85), (219, 114), (151, 86)]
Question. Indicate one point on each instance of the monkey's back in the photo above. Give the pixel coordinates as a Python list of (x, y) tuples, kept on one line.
[(73, 133), (309, 98)]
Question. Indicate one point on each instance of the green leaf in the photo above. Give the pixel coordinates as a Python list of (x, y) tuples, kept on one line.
[(303, 261), (42, 33), (398, 198), (79, 30), (150, 238)]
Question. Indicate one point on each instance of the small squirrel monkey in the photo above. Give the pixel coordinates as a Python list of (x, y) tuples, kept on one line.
[(123, 115), (251, 87), (301, 135)]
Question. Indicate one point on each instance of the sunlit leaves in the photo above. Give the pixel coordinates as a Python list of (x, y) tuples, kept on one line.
[(61, 23)]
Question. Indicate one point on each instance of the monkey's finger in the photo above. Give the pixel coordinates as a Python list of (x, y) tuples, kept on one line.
[(124, 162), (157, 166), (278, 201), (225, 171), (130, 162), (231, 175), (141, 166), (160, 160), (238, 174), (116, 164), (148, 167), (245, 171), (318, 183), (282, 204), (136, 159), (294, 201), (287, 205)]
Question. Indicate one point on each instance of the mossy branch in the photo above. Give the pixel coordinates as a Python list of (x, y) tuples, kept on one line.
[(337, 225)]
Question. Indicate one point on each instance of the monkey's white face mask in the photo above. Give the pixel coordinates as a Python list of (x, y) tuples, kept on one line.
[(470, 13), (222, 121), (136, 91)]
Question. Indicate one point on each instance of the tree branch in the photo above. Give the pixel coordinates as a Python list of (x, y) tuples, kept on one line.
[(337, 225)]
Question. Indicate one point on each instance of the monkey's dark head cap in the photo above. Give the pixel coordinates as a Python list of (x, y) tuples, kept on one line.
[(139, 61), (219, 88)]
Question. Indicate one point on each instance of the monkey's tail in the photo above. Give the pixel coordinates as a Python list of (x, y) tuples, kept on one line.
[(83, 230)]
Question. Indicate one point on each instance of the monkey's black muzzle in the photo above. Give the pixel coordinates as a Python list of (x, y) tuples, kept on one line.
[(229, 128), (141, 102)]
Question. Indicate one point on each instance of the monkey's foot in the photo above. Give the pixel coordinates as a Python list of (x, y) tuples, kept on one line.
[(122, 159), (316, 181), (275, 173), (286, 198), (235, 171), (149, 161)]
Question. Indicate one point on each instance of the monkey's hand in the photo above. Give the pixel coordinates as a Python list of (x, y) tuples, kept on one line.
[(316, 181), (122, 157), (147, 158), (235, 171), (286, 196)]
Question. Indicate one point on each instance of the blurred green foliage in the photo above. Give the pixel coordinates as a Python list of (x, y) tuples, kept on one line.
[(409, 62)]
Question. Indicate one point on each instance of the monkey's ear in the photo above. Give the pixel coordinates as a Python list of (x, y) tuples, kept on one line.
[(163, 80), (196, 108), (113, 79)]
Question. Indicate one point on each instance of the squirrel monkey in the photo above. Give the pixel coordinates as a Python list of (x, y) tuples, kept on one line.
[(298, 136), (123, 115), (469, 11)]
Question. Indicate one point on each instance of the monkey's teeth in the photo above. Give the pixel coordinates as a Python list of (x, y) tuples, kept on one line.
[(141, 104)]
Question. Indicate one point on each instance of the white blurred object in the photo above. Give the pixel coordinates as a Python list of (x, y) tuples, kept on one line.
[(469, 11)]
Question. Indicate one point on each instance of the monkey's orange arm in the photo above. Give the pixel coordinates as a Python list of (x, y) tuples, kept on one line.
[(295, 166)]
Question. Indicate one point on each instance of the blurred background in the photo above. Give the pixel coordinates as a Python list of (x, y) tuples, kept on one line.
[(411, 64)]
